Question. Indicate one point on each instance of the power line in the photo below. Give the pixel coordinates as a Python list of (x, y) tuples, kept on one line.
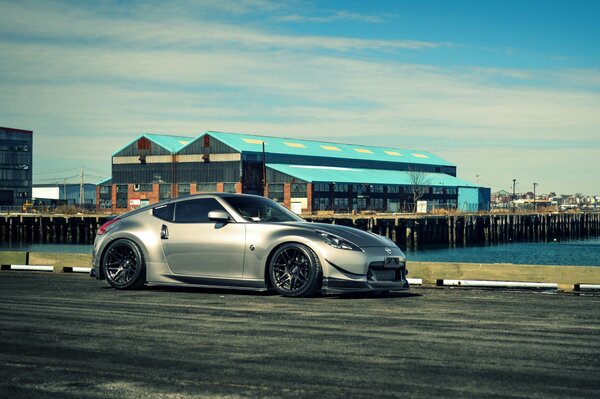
[(54, 171)]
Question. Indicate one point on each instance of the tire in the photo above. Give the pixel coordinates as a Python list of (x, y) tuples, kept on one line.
[(123, 265), (295, 271)]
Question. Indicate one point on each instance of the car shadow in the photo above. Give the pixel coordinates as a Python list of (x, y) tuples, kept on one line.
[(268, 293), (207, 290), (374, 296)]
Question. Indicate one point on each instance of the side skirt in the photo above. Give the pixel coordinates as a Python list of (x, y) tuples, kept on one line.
[(212, 282)]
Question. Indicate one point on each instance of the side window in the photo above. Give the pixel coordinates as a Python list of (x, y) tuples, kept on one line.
[(164, 212), (196, 211)]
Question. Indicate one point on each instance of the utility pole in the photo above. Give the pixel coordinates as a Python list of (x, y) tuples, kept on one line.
[(264, 170), (81, 192), (534, 203)]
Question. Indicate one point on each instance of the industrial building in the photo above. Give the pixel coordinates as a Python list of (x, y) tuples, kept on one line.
[(16, 147), (304, 175)]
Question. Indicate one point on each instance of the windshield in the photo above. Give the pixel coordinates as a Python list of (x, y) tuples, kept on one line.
[(259, 209)]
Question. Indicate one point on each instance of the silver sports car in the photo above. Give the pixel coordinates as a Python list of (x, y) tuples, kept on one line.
[(244, 242)]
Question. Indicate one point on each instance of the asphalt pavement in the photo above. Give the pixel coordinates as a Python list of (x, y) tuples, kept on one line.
[(70, 336)]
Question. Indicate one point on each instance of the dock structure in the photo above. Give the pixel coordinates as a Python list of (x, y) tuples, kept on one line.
[(411, 231), (408, 230), (50, 229)]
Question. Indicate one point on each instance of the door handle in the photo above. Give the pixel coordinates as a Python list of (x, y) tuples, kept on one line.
[(164, 232)]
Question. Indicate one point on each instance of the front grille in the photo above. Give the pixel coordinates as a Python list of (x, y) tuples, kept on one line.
[(378, 273)]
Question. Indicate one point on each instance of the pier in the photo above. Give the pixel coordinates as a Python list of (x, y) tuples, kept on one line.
[(406, 230), (454, 230), (50, 229)]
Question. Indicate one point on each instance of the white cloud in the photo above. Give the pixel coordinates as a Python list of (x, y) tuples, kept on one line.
[(332, 17)]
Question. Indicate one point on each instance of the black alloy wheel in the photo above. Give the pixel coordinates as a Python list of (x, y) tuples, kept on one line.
[(123, 265), (295, 270)]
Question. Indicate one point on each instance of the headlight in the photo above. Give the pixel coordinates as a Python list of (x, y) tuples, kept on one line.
[(337, 242)]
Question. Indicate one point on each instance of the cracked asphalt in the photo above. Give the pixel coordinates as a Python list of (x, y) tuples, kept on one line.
[(70, 336)]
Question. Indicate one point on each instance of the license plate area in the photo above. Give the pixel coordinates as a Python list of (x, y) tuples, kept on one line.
[(392, 262)]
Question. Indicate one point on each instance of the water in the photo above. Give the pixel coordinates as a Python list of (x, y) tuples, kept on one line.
[(577, 252), (52, 248)]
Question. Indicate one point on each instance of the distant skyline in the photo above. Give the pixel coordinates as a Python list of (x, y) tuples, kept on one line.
[(502, 89)]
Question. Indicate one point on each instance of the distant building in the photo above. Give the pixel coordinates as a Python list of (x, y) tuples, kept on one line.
[(55, 194), (305, 176), (16, 147)]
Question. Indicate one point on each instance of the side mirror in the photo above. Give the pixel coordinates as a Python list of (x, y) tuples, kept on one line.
[(219, 216)]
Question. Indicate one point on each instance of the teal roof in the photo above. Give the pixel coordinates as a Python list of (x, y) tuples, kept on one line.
[(170, 143), (105, 181), (327, 174), (287, 146)]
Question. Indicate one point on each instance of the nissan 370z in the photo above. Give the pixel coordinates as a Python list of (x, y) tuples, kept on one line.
[(243, 242)]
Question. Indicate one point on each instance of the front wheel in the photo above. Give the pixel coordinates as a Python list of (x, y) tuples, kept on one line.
[(295, 271), (123, 265)]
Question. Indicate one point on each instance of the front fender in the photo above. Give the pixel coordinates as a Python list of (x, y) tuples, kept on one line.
[(265, 239)]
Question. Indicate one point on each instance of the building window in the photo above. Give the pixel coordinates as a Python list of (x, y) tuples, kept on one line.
[(276, 192), (376, 204), (438, 190), (321, 188), (105, 203), (298, 190), (321, 203), (206, 187), (145, 188), (122, 198), (229, 188), (164, 191), (183, 190), (341, 204), (341, 188)]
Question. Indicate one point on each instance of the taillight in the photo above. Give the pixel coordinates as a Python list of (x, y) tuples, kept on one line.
[(105, 227)]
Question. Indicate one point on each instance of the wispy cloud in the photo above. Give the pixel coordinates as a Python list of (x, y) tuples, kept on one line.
[(77, 26), (332, 17)]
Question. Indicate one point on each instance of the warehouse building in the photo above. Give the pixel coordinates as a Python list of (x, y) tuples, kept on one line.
[(16, 147), (304, 175)]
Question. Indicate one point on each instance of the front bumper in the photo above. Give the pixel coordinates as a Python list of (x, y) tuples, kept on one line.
[(339, 286)]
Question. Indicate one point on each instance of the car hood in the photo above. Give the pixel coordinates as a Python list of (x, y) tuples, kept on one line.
[(354, 235)]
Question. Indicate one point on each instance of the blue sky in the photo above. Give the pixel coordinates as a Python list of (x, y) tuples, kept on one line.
[(503, 89)]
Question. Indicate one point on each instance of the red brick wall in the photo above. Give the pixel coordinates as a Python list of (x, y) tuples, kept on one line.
[(97, 198), (219, 187), (113, 198), (287, 195), (309, 195), (238, 187)]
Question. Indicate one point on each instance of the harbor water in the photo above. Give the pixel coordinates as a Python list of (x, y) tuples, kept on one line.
[(575, 252)]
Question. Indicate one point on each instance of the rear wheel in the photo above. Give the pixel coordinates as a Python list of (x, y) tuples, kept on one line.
[(295, 271), (123, 265)]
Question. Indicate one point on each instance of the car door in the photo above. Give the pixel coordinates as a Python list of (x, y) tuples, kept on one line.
[(196, 246)]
